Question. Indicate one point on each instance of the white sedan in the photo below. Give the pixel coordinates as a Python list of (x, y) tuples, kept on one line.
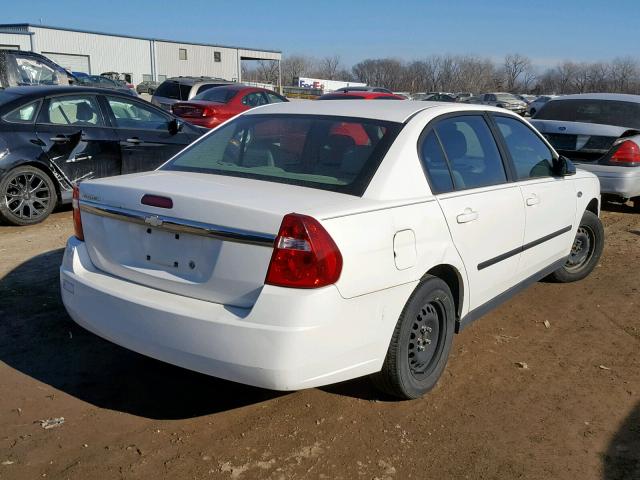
[(307, 243)]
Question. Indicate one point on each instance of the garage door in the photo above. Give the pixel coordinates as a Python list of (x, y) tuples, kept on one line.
[(74, 63)]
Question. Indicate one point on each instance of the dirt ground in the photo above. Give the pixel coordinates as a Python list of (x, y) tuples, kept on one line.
[(574, 413)]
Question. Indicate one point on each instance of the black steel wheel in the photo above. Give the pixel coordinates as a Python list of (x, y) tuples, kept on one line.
[(421, 341), (585, 251), (27, 196)]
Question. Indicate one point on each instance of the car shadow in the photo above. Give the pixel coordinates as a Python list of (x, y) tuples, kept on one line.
[(621, 461), (617, 207), (39, 339)]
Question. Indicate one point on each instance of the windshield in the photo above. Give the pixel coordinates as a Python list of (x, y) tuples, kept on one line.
[(330, 153), (217, 94), (604, 112)]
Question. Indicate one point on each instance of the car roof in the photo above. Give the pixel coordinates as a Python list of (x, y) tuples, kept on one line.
[(194, 80), (621, 97), (38, 91), (398, 112)]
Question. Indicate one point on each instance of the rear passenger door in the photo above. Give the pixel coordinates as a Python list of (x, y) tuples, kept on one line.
[(146, 141), (484, 212), (550, 201)]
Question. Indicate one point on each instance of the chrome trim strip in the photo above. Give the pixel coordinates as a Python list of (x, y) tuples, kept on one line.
[(179, 225)]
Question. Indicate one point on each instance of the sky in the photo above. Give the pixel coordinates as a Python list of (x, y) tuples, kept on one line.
[(547, 31)]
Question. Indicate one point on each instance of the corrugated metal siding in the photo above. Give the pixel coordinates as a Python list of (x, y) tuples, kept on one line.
[(106, 53), (200, 61), (21, 41)]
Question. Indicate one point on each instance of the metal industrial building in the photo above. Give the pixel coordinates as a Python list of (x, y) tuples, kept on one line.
[(137, 57)]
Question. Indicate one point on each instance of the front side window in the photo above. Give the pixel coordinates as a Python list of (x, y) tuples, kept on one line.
[(273, 98), (328, 153), (471, 150), (80, 110), (531, 157), (136, 115), (23, 114)]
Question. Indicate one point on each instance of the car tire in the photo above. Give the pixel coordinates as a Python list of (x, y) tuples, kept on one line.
[(421, 342), (22, 206), (585, 252)]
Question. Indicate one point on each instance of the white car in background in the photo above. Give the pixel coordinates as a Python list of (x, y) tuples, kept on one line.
[(538, 103), (302, 244)]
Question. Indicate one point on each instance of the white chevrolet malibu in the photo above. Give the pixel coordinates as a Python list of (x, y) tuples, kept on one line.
[(306, 243)]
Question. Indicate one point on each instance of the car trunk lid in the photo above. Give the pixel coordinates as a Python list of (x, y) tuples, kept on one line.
[(582, 142), (214, 244)]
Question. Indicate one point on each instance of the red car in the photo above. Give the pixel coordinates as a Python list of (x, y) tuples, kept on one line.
[(364, 95), (216, 105)]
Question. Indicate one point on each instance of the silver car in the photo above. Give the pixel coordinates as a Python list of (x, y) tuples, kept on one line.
[(600, 133), (177, 89), (502, 100)]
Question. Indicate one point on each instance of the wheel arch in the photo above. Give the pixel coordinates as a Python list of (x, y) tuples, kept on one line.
[(453, 278), (594, 206)]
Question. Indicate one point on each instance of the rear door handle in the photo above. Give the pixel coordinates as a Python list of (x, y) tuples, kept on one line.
[(532, 200), (467, 216), (80, 158), (134, 140)]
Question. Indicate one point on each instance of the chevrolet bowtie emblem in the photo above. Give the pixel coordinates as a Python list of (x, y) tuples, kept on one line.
[(153, 220)]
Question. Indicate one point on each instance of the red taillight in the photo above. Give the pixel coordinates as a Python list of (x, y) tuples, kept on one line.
[(304, 255), (156, 201), (77, 220), (627, 152)]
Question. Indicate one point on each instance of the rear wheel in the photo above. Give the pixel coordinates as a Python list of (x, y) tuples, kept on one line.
[(420, 343), (585, 251), (27, 196)]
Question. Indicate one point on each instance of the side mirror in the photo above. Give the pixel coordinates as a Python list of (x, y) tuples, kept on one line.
[(564, 167), (174, 126)]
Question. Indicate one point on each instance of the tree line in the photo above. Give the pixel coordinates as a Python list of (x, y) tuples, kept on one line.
[(459, 73)]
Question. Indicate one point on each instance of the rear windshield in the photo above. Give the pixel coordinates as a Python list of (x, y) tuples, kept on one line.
[(218, 94), (207, 86), (340, 154), (6, 97), (174, 90), (605, 112)]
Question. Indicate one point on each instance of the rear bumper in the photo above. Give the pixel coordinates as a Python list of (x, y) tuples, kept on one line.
[(289, 340), (619, 181)]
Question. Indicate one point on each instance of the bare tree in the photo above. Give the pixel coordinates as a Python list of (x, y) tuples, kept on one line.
[(515, 65), (295, 66), (328, 67)]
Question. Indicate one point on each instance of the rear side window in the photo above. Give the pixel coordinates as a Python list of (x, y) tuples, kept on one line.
[(169, 90), (23, 114), (605, 112), (435, 164), (471, 151), (531, 157), (329, 153)]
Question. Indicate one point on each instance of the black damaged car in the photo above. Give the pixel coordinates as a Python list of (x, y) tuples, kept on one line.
[(54, 136)]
